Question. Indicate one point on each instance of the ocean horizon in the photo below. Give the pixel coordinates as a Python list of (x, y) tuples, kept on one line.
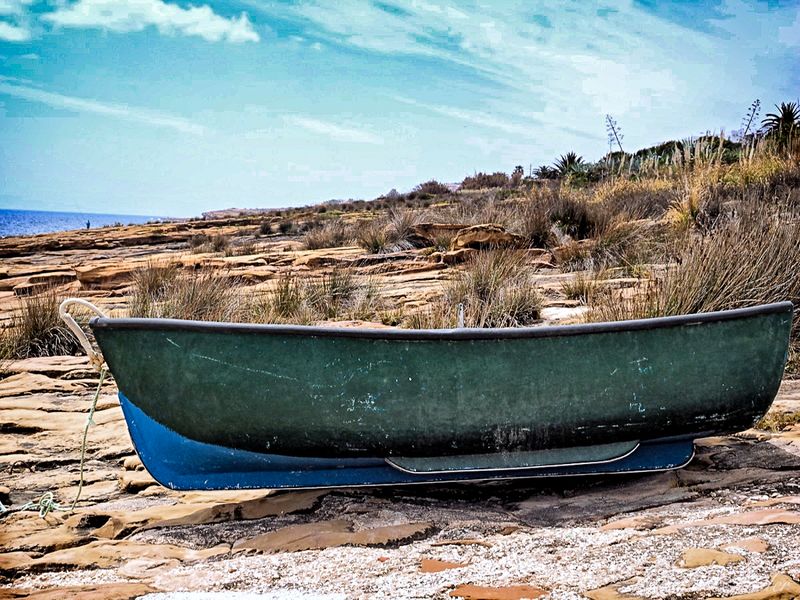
[(31, 222)]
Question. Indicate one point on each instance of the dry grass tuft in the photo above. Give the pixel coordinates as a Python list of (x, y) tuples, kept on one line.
[(330, 235), (339, 294), (164, 291), (38, 330), (752, 260), (495, 289)]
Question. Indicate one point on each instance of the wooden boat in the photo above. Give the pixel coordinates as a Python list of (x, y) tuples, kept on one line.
[(221, 405)]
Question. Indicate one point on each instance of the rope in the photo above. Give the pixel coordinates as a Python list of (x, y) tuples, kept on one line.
[(89, 422), (45, 504)]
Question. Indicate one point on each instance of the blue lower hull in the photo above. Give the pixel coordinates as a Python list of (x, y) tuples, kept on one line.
[(180, 463)]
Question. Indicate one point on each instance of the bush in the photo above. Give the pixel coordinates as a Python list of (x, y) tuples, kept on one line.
[(265, 228), (533, 222), (163, 291), (286, 227), (432, 188), (481, 181), (198, 240), (220, 243), (37, 330), (578, 218)]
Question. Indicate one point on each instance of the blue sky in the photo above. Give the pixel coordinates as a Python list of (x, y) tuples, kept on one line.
[(171, 108)]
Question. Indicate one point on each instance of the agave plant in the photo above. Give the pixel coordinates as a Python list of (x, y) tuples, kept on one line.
[(567, 163), (784, 124)]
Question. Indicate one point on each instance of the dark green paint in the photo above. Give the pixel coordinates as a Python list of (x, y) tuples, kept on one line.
[(311, 392)]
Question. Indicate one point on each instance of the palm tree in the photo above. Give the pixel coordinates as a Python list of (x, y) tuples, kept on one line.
[(567, 163), (784, 124)]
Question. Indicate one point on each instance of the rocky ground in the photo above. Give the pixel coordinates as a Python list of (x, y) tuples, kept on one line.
[(728, 525)]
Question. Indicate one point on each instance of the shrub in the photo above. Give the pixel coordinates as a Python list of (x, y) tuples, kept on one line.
[(286, 227), (331, 235), (198, 240), (481, 181), (37, 330), (163, 291), (220, 243), (533, 222), (432, 187), (578, 218), (265, 228)]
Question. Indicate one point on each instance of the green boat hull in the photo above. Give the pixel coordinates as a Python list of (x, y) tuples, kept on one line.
[(419, 397)]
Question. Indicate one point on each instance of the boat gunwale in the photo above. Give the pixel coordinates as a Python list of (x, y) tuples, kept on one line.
[(466, 333)]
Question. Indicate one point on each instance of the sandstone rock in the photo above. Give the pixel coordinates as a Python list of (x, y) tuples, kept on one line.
[(453, 257), (486, 236), (104, 554), (702, 557), (755, 517), (102, 591), (132, 463), (31, 383), (200, 508), (782, 587), (509, 592), (135, 481), (432, 565), (327, 534), (52, 366), (610, 592), (751, 544), (107, 276), (424, 235)]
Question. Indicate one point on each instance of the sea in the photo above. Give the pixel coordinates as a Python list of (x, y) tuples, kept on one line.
[(30, 222)]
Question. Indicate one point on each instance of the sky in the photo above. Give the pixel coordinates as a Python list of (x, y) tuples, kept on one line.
[(172, 108)]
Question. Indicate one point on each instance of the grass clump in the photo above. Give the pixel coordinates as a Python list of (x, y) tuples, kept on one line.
[(166, 292), (330, 235), (37, 330), (582, 287), (337, 295), (752, 260), (495, 289)]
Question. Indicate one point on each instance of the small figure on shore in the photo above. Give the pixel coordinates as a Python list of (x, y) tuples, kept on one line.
[(88, 225)]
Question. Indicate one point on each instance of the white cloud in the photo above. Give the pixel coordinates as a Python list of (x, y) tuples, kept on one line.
[(14, 33), (480, 119), (13, 7), (171, 19), (333, 131), (119, 111), (16, 29), (631, 62)]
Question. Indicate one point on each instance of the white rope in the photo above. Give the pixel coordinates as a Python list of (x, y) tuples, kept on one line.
[(94, 357)]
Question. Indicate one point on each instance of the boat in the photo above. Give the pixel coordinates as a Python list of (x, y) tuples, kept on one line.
[(235, 406)]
